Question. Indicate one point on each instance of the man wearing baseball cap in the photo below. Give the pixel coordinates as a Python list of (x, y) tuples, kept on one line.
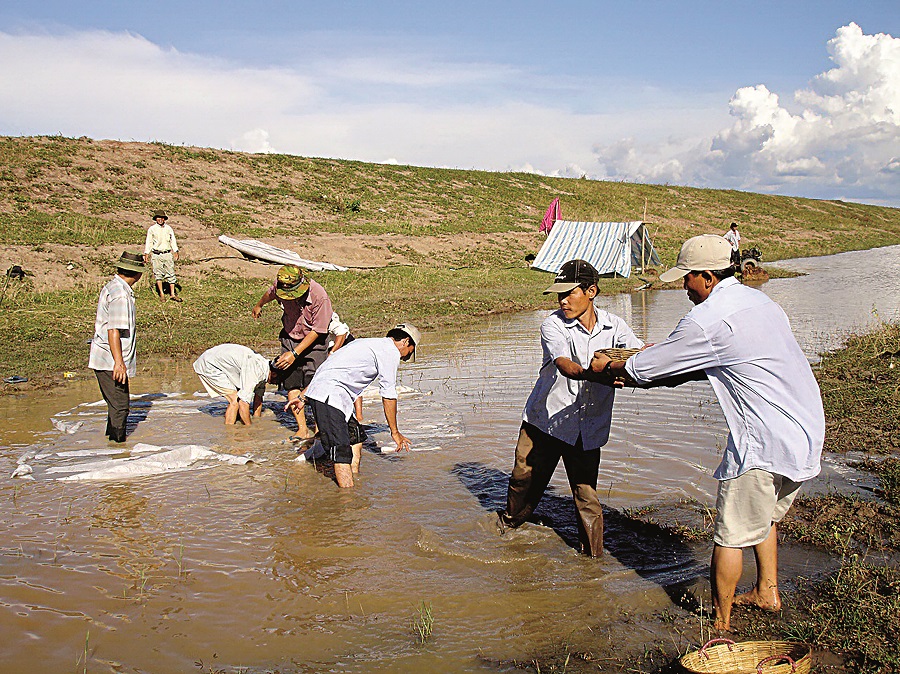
[(743, 343), (306, 315), (568, 414), (341, 380)]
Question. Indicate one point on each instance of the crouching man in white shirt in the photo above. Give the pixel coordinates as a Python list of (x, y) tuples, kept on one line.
[(743, 343), (340, 381), (239, 375)]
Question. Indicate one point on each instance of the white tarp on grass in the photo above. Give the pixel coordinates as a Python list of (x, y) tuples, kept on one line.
[(258, 250)]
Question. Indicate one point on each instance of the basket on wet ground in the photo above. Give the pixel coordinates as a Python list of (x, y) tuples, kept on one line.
[(619, 354), (749, 657)]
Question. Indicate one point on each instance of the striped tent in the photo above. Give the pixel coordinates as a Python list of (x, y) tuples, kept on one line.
[(612, 247)]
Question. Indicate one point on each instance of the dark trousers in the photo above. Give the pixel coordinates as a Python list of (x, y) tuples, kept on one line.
[(537, 455), (118, 400)]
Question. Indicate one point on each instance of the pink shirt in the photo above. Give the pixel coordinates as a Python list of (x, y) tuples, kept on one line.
[(312, 312)]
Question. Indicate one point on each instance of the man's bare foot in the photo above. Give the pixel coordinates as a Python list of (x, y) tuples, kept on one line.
[(722, 625), (754, 598)]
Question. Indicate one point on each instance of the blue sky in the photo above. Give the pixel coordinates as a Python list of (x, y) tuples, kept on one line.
[(784, 97)]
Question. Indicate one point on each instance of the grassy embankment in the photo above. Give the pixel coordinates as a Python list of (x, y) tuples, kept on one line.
[(94, 197)]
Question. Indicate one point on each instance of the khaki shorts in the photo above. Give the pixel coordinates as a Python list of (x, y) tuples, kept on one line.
[(164, 267), (216, 389), (747, 506)]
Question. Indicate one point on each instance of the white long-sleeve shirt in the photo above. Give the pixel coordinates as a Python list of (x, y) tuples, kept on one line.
[(341, 379), (236, 367), (160, 237), (765, 386)]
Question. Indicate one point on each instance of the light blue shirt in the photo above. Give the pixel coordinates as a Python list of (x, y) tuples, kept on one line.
[(765, 386), (342, 377), (566, 408)]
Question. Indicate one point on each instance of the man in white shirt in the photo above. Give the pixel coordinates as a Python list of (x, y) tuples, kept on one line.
[(162, 246), (239, 375), (743, 343), (113, 351), (341, 379), (568, 413), (733, 236)]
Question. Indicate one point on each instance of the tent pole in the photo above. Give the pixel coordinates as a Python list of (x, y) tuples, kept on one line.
[(643, 236)]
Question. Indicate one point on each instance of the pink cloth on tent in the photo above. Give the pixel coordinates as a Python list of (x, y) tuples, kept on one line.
[(551, 216)]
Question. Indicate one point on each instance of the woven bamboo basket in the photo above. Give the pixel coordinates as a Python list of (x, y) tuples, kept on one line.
[(619, 354), (749, 657)]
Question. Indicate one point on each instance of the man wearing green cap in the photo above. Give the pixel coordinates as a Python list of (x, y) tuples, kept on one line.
[(306, 315)]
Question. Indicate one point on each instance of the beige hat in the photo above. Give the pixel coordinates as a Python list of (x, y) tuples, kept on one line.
[(412, 331), (700, 253)]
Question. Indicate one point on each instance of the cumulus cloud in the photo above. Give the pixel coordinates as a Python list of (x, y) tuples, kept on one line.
[(841, 138), (837, 138)]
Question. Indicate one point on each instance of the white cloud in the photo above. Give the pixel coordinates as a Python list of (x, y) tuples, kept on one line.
[(843, 139), (255, 140), (837, 137)]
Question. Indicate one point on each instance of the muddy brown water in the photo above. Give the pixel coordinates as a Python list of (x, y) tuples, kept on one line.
[(269, 566)]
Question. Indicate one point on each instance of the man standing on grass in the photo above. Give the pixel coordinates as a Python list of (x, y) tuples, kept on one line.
[(112, 355), (239, 375), (163, 248), (743, 343), (341, 380), (568, 414), (306, 315), (733, 236)]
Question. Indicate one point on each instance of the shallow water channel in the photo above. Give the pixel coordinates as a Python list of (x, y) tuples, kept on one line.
[(267, 565)]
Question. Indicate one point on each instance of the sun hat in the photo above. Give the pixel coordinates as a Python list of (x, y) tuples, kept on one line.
[(292, 283), (571, 275), (131, 262), (700, 253), (412, 331), (160, 214)]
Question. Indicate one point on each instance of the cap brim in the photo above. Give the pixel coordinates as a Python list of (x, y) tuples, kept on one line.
[(294, 294), (561, 288), (131, 267), (673, 274)]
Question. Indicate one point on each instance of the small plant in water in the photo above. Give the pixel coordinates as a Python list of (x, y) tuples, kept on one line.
[(83, 657), (423, 623)]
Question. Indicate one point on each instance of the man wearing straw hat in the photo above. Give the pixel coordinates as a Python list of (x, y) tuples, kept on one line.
[(112, 355), (569, 413), (305, 319), (743, 343)]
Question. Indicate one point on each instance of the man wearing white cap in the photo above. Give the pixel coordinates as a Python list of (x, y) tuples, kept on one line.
[(743, 343), (341, 380)]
